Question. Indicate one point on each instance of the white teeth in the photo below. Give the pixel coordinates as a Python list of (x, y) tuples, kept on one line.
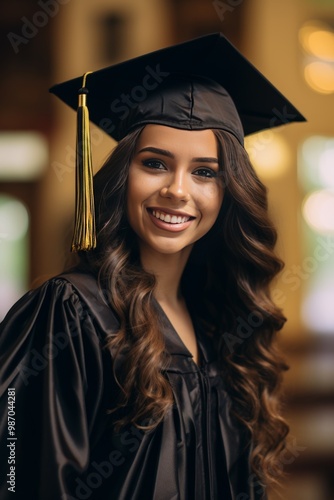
[(172, 219)]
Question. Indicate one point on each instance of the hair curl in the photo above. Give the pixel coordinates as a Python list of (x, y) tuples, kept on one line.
[(230, 291)]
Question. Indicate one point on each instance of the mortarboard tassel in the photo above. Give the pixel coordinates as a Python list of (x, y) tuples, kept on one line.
[(84, 237)]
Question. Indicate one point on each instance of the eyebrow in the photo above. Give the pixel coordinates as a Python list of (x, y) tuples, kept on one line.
[(165, 152)]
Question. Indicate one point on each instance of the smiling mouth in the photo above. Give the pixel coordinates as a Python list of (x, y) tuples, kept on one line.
[(170, 218)]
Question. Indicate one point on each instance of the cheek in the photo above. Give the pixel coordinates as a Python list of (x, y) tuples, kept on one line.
[(135, 190), (141, 186), (138, 191), (212, 191), (132, 194)]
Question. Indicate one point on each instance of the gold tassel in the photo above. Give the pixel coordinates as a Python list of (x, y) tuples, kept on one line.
[(84, 237)]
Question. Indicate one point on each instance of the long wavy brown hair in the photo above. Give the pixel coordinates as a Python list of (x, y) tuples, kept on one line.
[(229, 291)]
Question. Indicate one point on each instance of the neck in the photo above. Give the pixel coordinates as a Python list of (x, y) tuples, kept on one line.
[(168, 270)]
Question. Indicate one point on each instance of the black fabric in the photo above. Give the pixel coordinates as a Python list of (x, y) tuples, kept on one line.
[(188, 103), (117, 92), (52, 352)]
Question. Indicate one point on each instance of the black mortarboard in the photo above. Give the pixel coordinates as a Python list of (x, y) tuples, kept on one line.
[(115, 92), (204, 83)]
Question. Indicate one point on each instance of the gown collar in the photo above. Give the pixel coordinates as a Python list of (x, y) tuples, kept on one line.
[(174, 344), (87, 287)]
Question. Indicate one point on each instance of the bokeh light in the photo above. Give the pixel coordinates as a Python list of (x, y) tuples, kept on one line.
[(318, 211), (23, 155), (316, 168), (318, 310), (321, 44), (14, 230), (14, 220), (326, 167), (269, 153), (317, 40), (320, 76)]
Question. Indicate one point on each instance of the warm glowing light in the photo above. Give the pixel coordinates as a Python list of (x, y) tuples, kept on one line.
[(320, 76), (321, 44), (23, 155), (318, 211), (318, 40), (269, 153), (307, 30)]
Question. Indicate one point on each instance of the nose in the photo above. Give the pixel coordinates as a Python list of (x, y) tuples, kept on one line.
[(176, 187)]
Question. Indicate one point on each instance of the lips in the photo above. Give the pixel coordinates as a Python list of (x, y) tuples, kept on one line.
[(172, 221), (170, 218)]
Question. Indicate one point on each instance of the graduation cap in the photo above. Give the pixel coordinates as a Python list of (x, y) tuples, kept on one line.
[(204, 83)]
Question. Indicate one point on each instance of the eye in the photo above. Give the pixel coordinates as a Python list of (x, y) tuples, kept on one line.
[(154, 164), (206, 172)]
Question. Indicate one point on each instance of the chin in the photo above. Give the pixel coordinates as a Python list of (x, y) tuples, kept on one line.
[(169, 248)]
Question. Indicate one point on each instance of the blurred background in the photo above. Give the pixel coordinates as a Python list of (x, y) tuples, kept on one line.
[(292, 42)]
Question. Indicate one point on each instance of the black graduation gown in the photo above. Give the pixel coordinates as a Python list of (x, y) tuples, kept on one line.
[(64, 446)]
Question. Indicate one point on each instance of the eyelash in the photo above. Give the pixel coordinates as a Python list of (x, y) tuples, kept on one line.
[(156, 165), (151, 163), (209, 171)]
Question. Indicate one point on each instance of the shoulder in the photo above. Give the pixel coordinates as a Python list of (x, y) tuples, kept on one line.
[(75, 293), (55, 317), (56, 288), (92, 298), (35, 304)]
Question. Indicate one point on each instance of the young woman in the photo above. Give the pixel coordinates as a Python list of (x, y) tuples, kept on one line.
[(149, 370)]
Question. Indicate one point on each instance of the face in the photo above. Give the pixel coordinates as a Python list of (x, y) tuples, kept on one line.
[(174, 193)]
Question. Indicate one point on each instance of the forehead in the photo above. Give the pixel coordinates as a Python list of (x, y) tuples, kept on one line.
[(195, 142)]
